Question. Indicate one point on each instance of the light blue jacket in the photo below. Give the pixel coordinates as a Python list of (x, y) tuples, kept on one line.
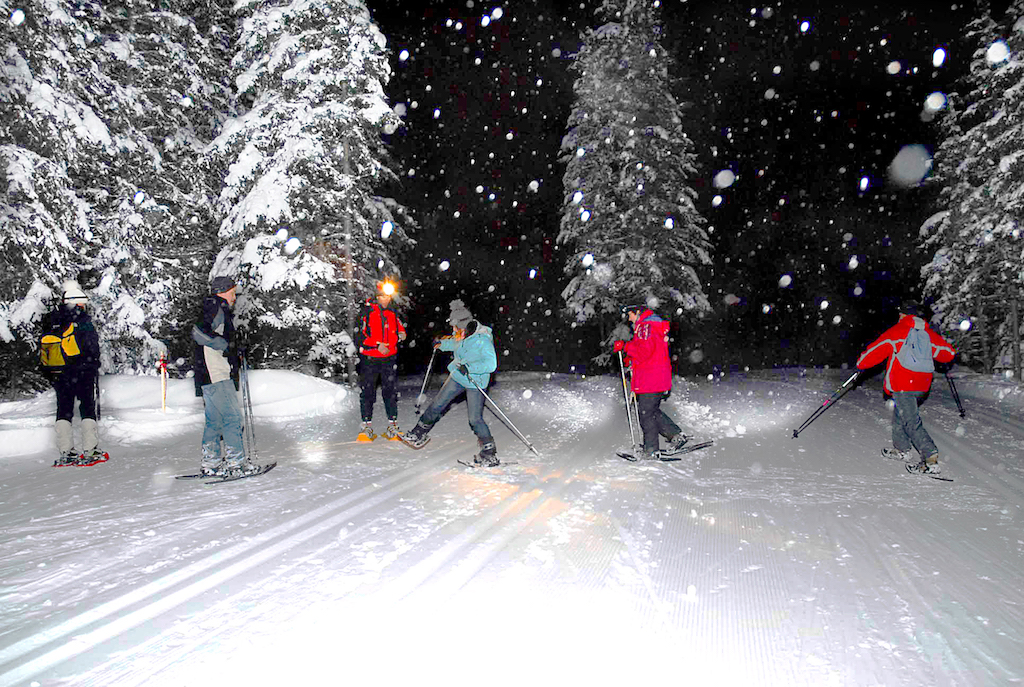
[(475, 352)]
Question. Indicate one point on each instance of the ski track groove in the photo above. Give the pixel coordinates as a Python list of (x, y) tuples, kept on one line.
[(152, 599)]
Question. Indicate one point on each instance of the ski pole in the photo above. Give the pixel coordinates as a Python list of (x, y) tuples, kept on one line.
[(98, 396), (426, 378), (163, 383), (956, 396), (504, 418), (250, 430), (827, 404), (627, 396)]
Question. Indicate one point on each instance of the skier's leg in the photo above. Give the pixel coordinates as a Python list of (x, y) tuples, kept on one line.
[(214, 421), (369, 373), (904, 408), (475, 408), (389, 387), (85, 390), (450, 391), (666, 427), (913, 426), (65, 398), (231, 430), (647, 409)]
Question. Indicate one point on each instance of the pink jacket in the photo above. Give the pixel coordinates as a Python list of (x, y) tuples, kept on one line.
[(648, 353)]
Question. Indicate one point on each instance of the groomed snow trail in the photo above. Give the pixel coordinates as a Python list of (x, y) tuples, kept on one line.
[(762, 560)]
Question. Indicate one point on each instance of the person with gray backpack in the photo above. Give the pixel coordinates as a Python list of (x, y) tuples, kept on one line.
[(910, 349)]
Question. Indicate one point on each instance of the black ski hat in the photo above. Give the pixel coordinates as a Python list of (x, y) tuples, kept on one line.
[(221, 284)]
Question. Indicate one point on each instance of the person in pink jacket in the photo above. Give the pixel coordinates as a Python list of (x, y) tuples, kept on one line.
[(907, 385), (647, 356)]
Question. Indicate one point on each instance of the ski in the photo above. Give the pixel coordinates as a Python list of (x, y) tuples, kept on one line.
[(470, 464), (82, 462), (263, 470), (401, 437), (911, 471), (666, 457), (686, 449), (217, 480)]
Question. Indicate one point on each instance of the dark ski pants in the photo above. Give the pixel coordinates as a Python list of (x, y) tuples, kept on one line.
[(907, 427), (72, 385), (474, 406), (372, 371), (653, 420)]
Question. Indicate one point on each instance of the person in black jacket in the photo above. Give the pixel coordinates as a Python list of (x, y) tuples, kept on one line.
[(216, 372), (77, 380)]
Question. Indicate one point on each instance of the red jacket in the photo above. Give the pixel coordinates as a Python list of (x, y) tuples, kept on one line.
[(380, 326), (897, 377), (648, 354)]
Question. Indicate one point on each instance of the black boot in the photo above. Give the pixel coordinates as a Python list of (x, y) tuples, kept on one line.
[(417, 436), (488, 456)]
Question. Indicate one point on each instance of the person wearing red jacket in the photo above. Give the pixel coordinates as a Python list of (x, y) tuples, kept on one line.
[(651, 378), (907, 387), (378, 362)]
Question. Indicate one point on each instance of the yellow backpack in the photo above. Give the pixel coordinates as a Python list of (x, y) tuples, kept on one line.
[(58, 349)]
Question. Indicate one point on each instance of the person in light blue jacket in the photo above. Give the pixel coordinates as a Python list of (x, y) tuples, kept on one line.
[(473, 361)]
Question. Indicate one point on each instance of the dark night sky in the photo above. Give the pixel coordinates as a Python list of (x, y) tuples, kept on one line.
[(799, 116)]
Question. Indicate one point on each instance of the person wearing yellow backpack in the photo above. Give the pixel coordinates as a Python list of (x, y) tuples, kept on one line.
[(73, 366)]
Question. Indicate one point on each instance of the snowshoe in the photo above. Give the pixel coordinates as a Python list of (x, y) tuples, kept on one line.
[(93, 457), (896, 454), (392, 432), (65, 459), (366, 434)]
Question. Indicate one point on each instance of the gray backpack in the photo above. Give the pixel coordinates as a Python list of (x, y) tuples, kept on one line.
[(916, 352)]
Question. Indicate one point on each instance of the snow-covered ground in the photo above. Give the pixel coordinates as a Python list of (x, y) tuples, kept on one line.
[(763, 560)]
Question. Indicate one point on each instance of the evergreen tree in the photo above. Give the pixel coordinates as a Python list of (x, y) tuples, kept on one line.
[(303, 160), (167, 96), (629, 214), (47, 133), (976, 236), (106, 107)]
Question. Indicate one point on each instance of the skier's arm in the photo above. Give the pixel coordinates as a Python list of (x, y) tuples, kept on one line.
[(640, 348), (205, 331), (942, 351), (878, 352), (478, 355)]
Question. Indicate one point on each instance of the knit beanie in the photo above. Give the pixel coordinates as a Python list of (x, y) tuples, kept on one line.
[(73, 292), (460, 316), (221, 284)]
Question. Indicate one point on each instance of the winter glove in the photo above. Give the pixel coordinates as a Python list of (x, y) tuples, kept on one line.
[(383, 348), (218, 343), (462, 369), (619, 346)]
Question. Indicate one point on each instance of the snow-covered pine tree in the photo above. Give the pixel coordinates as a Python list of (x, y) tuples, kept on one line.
[(47, 132), (303, 160), (629, 215), (166, 95), (978, 262), (106, 109)]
